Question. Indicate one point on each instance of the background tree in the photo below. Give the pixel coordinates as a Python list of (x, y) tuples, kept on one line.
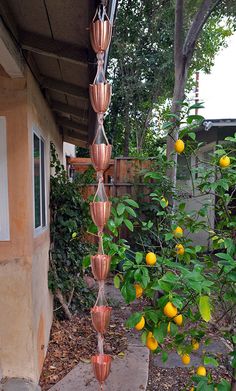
[(142, 64), (190, 19)]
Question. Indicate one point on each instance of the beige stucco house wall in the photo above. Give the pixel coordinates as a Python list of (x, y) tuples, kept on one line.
[(25, 301)]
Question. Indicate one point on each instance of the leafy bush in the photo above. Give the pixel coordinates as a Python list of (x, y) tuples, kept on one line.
[(69, 219)]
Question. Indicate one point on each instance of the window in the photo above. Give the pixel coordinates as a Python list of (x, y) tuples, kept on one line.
[(39, 182), (4, 208)]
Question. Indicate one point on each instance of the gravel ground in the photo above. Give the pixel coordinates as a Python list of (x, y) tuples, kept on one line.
[(178, 379)]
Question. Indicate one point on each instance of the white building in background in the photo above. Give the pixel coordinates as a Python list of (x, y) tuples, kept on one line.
[(217, 90), (68, 150)]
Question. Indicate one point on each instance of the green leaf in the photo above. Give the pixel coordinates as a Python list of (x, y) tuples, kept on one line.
[(170, 277), (182, 206), (158, 334), (118, 221), (128, 292), (168, 236), (192, 135), (225, 256), (138, 257), (210, 361), (173, 329), (164, 356), (144, 337), (120, 209), (133, 319), (131, 202), (223, 386), (86, 261), (205, 308), (117, 281), (129, 224), (152, 315), (130, 211)]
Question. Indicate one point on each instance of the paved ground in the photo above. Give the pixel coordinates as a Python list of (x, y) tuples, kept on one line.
[(127, 374)]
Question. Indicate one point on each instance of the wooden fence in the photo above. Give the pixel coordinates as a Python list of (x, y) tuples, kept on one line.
[(123, 176)]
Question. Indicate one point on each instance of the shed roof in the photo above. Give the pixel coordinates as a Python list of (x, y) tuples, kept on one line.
[(54, 38)]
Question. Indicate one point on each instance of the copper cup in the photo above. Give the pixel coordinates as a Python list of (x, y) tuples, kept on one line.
[(100, 35), (101, 318), (100, 96), (101, 366), (100, 212), (100, 156), (100, 266)]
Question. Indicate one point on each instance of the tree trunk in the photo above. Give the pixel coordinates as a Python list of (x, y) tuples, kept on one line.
[(63, 303), (180, 82), (183, 54)]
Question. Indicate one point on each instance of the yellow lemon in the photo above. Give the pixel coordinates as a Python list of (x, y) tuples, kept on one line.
[(140, 325), (186, 359), (178, 232), (151, 259), (151, 342), (165, 201), (170, 310), (224, 161), (201, 371), (179, 146), (178, 320), (195, 344), (138, 290), (168, 328), (179, 249)]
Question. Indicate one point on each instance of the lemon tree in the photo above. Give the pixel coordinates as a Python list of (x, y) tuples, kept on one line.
[(183, 284)]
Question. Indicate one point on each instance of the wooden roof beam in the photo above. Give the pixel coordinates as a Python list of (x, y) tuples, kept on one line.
[(46, 46), (72, 125), (11, 58), (73, 137), (72, 110), (64, 87)]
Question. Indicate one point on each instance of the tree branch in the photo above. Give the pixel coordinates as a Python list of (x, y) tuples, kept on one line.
[(199, 21)]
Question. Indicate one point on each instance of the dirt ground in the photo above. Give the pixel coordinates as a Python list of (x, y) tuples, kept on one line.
[(74, 341), (178, 379)]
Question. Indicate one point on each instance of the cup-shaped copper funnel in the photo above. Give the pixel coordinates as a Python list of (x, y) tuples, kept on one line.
[(100, 35), (100, 156), (100, 212), (100, 266), (101, 318), (100, 96), (101, 366)]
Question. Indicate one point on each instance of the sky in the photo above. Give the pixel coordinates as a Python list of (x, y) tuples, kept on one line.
[(218, 89)]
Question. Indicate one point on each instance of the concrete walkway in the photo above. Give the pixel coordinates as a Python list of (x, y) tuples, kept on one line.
[(128, 373)]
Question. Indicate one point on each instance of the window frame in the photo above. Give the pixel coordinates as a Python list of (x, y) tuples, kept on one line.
[(43, 188), (4, 191)]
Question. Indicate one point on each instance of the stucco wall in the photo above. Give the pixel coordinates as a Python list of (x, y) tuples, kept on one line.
[(41, 118), (25, 302)]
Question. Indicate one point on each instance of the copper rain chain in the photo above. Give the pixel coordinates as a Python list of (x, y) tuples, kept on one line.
[(100, 153)]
